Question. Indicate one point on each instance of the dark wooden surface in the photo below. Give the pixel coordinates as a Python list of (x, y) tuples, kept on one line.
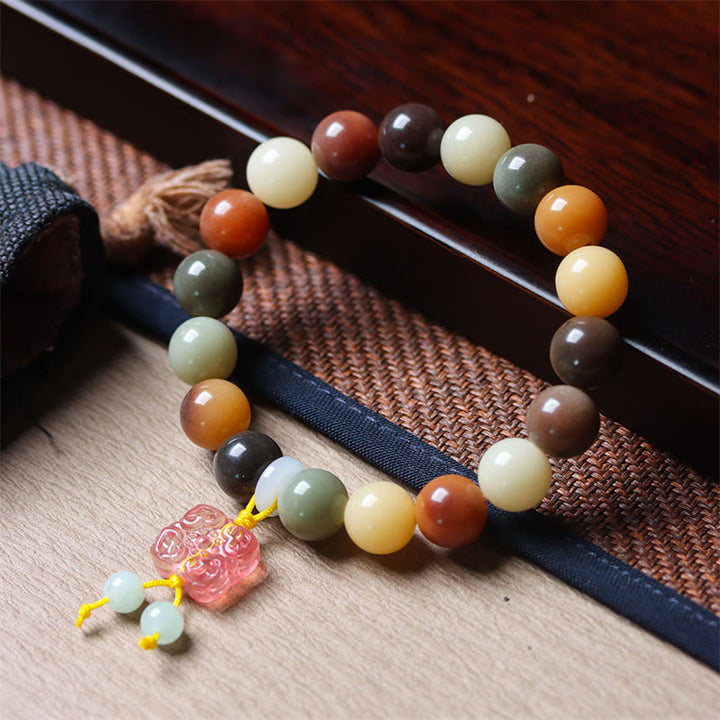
[(625, 93)]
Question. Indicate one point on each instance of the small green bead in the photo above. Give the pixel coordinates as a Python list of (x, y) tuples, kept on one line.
[(312, 505), (202, 349), (208, 283)]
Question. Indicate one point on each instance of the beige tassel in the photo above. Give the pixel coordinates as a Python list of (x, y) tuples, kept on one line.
[(166, 209)]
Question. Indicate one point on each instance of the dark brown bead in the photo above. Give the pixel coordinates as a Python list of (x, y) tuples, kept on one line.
[(345, 146), (586, 351), (240, 460), (410, 137), (563, 421)]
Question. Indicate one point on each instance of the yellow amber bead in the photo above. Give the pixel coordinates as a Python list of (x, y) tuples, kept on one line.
[(380, 518), (592, 280)]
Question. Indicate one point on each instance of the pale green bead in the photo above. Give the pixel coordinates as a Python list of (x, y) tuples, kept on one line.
[(124, 591), (164, 619), (311, 505), (514, 474), (202, 348)]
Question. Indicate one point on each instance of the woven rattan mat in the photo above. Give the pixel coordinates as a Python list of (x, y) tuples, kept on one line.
[(634, 501)]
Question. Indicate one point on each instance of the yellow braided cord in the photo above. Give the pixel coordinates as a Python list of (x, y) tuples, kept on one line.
[(174, 581), (86, 609), (149, 642), (248, 520)]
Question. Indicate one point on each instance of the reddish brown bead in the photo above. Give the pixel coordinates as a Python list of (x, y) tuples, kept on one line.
[(345, 145), (563, 421), (234, 222), (451, 511)]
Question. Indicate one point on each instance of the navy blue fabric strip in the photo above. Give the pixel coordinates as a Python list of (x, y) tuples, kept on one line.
[(397, 452)]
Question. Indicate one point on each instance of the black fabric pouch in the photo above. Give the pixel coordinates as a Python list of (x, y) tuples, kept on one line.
[(51, 270)]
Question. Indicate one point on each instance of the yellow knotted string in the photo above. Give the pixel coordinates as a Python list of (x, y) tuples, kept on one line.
[(245, 518)]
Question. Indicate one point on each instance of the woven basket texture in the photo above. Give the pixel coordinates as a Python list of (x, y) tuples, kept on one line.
[(629, 498)]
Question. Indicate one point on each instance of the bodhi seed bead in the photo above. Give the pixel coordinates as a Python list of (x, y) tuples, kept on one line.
[(410, 137), (586, 351), (592, 280), (241, 459), (570, 217), (164, 619), (208, 283), (563, 421), (524, 175), (202, 348), (282, 172), (311, 505), (451, 511), (471, 147), (273, 479), (212, 411), (235, 223), (380, 518), (125, 592), (345, 146), (514, 474)]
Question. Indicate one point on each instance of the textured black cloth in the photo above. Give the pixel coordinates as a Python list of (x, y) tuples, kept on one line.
[(47, 232)]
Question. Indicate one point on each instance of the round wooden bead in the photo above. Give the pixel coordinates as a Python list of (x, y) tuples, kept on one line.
[(282, 172), (471, 147), (212, 411), (240, 461), (410, 136), (380, 518), (451, 511), (312, 504), (514, 474), (345, 145), (202, 348), (563, 421), (586, 351), (592, 280), (570, 217), (208, 283), (235, 223), (524, 175)]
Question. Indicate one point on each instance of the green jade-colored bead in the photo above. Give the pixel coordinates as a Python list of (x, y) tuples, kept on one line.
[(524, 175), (202, 348), (208, 283), (312, 505)]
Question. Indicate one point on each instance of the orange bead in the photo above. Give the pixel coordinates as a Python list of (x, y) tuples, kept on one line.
[(451, 511), (212, 411), (570, 217), (234, 222), (592, 281)]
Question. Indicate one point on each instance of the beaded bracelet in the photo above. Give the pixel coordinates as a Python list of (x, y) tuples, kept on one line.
[(214, 559)]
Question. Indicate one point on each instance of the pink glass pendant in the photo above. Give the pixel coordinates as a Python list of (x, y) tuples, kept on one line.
[(228, 555)]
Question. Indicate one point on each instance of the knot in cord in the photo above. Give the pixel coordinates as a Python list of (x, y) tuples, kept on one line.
[(246, 519), (83, 614)]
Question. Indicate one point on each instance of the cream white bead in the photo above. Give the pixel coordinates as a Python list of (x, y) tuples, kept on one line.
[(471, 147), (282, 172), (273, 479), (514, 474)]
